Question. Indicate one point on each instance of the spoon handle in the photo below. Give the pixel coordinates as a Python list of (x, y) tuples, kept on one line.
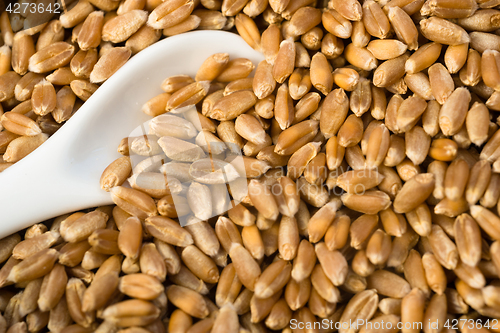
[(46, 184)]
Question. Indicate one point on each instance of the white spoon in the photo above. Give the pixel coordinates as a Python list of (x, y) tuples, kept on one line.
[(62, 175)]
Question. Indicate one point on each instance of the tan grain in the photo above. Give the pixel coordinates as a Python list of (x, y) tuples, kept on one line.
[(442, 31), (336, 24)]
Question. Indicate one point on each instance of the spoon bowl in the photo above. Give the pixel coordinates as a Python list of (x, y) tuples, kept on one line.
[(62, 175)]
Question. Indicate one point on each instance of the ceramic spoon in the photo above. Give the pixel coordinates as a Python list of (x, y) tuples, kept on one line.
[(62, 175)]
